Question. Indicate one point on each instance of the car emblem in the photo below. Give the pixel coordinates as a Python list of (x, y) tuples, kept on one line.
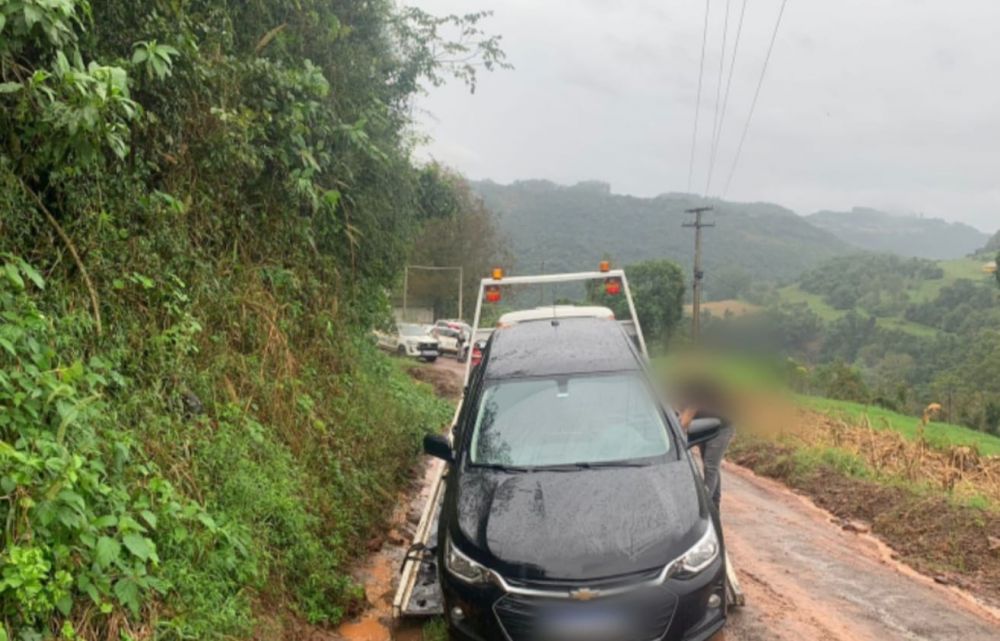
[(584, 594)]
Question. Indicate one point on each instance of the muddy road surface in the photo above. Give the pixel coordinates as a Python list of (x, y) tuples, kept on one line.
[(805, 578)]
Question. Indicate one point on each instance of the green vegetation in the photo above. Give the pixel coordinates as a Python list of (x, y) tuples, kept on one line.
[(895, 332), (942, 435), (571, 228), (658, 290), (876, 282), (435, 630), (994, 244), (202, 207), (464, 234), (901, 235)]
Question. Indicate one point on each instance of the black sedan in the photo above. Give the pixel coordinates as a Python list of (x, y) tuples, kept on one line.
[(572, 510)]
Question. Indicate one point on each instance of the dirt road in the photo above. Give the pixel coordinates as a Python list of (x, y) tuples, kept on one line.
[(805, 578)]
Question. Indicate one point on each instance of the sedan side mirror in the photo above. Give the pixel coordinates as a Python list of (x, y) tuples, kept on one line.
[(702, 430), (439, 447)]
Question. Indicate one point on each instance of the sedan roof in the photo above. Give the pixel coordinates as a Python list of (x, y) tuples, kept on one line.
[(564, 346)]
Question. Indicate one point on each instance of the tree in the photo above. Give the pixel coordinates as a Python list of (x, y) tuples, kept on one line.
[(658, 292), (459, 231), (729, 282)]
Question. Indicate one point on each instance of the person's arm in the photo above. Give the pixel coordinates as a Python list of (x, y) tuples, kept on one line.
[(687, 415)]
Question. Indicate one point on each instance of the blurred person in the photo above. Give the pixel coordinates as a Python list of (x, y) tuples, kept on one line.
[(701, 396)]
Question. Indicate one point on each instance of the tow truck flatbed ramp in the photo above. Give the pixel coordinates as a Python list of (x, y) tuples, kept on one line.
[(419, 592)]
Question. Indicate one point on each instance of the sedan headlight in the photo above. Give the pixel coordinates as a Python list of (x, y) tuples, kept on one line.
[(701, 554), (462, 567)]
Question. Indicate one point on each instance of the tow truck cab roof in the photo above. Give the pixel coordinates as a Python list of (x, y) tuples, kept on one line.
[(560, 346), (554, 311)]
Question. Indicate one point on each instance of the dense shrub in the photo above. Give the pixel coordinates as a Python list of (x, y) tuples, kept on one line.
[(218, 197)]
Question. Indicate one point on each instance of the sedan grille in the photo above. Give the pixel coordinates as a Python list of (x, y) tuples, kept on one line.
[(644, 615), (427, 347)]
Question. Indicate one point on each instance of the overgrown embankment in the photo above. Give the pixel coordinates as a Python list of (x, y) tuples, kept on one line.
[(202, 207)]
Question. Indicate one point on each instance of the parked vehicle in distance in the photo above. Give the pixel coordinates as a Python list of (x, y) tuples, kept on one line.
[(410, 339), (477, 352), (572, 508), (454, 323), (450, 340)]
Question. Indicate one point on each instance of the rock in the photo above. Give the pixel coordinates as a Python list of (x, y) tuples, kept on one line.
[(857, 527), (395, 538), (993, 543), (375, 543), (942, 579)]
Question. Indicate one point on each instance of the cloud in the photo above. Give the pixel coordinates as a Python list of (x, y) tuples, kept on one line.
[(885, 104)]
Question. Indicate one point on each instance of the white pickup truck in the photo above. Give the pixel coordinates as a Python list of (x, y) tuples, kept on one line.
[(410, 339)]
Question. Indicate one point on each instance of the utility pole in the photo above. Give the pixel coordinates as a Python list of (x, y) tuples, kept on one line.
[(698, 273), (406, 287)]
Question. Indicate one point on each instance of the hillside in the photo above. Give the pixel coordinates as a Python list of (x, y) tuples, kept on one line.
[(569, 228), (884, 286), (994, 244), (881, 329), (904, 235)]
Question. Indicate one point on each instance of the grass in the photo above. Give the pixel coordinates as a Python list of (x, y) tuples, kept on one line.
[(923, 291), (942, 435), (791, 294), (968, 268), (435, 630)]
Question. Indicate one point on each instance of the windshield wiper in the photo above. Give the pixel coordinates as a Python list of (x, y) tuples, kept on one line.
[(583, 465), (502, 468), (616, 464)]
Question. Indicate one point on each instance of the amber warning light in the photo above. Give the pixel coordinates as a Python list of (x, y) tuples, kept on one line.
[(492, 294), (497, 273), (605, 266)]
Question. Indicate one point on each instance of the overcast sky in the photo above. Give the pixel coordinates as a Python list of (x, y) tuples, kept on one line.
[(893, 104)]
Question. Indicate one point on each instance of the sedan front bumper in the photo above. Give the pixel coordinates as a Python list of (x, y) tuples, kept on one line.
[(677, 610)]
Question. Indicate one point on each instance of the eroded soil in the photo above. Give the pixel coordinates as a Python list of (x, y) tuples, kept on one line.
[(806, 577)]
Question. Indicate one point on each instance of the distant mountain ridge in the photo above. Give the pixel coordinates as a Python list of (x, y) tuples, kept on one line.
[(570, 228), (909, 236)]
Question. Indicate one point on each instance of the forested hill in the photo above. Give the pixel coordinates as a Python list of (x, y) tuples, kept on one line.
[(569, 228), (903, 235), (994, 244)]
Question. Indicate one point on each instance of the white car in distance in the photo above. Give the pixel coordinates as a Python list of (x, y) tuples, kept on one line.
[(452, 336), (410, 339)]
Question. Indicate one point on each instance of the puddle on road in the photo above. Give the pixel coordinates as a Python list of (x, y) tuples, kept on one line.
[(380, 573)]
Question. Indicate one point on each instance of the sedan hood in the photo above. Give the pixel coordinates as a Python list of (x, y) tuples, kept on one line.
[(579, 525)]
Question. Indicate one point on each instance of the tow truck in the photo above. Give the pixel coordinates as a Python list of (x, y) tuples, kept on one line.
[(419, 593)]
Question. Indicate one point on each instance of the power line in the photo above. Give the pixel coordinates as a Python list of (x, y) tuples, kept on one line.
[(725, 100), (697, 106), (718, 91), (753, 106)]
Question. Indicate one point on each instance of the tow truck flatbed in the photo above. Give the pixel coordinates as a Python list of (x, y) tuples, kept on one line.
[(419, 592)]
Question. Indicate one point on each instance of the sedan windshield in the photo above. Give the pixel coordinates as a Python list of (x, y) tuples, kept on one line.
[(567, 421)]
